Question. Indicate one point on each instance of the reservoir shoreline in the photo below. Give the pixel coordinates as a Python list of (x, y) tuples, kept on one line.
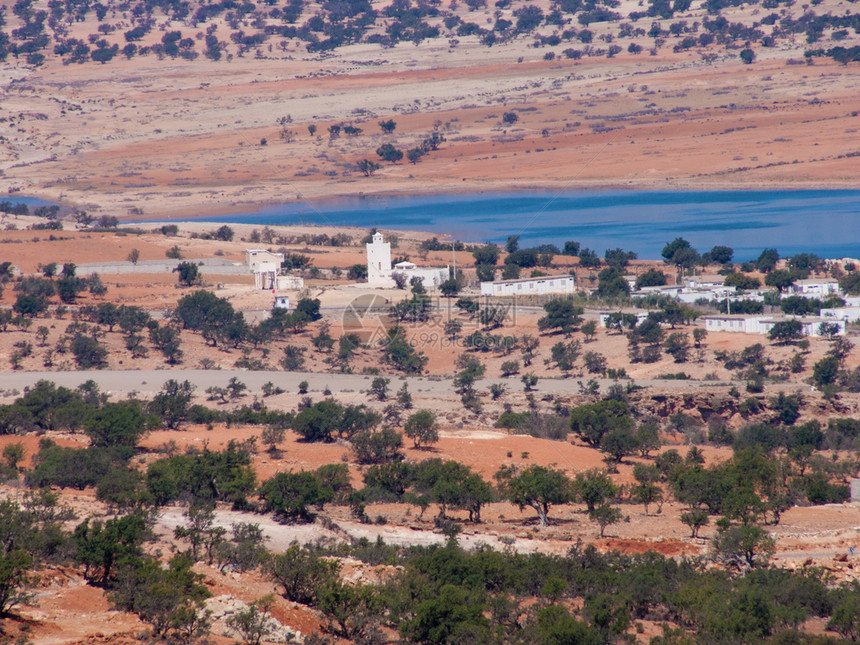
[(825, 222)]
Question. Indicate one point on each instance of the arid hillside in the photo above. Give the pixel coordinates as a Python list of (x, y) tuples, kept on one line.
[(255, 105), (183, 464)]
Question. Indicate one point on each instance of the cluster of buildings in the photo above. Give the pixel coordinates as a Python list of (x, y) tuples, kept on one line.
[(380, 273), (266, 266), (711, 287)]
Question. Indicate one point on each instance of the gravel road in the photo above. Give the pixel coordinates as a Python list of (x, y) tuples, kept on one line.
[(149, 382)]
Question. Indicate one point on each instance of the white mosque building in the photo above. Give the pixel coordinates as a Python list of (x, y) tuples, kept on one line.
[(380, 271)]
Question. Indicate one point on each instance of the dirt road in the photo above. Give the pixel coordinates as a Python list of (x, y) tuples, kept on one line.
[(148, 382)]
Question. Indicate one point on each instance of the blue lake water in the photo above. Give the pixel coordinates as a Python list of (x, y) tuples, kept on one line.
[(30, 201), (826, 222)]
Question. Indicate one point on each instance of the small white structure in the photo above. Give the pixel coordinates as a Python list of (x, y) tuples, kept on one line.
[(256, 257), (640, 315), (266, 275), (528, 286), (281, 302), (290, 282), (848, 314), (690, 296), (809, 326), (816, 288), (693, 289), (662, 290), (380, 271), (430, 278), (704, 281), (855, 491)]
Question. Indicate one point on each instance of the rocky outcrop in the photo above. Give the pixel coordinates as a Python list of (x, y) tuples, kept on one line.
[(224, 607)]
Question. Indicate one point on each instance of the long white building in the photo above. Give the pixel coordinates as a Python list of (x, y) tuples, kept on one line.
[(529, 286), (810, 326)]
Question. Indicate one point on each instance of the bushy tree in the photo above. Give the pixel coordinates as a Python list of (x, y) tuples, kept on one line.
[(452, 485), (102, 547), (535, 486), (744, 545), (387, 152), (88, 352), (680, 254), (289, 495), (319, 422), (825, 371), (367, 168), (561, 315), (605, 515), (785, 332), (189, 274), (208, 314), (591, 422), (116, 424), (422, 428), (564, 355), (203, 476), (172, 403), (300, 573), (399, 353), (611, 283), (593, 488), (169, 599), (651, 278), (677, 345), (374, 447)]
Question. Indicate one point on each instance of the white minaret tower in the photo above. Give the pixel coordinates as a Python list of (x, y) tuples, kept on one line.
[(378, 260)]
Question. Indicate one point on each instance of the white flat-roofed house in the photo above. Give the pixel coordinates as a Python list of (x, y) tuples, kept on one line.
[(728, 322), (812, 326), (816, 288), (430, 278), (689, 295), (603, 316), (848, 314), (289, 282), (809, 326), (266, 267), (255, 257), (663, 290), (704, 281), (529, 286)]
